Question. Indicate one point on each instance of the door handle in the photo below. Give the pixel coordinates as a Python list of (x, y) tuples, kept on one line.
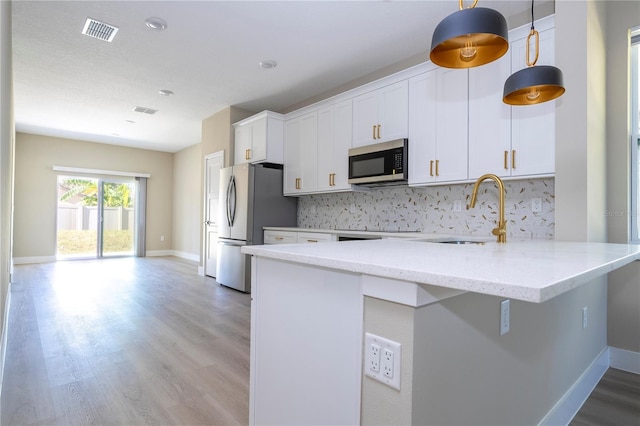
[(232, 205)]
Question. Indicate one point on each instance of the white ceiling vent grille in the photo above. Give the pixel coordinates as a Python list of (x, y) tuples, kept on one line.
[(144, 110), (99, 30)]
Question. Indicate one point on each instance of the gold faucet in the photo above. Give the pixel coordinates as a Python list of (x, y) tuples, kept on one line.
[(501, 230)]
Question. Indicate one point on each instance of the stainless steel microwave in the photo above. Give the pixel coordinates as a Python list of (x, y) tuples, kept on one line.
[(381, 163)]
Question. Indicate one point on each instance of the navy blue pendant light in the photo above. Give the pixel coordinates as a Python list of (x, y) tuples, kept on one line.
[(469, 38), (534, 84)]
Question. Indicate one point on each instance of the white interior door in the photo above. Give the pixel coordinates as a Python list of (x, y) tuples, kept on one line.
[(213, 164)]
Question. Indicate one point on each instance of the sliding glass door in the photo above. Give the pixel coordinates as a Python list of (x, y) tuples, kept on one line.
[(95, 217)]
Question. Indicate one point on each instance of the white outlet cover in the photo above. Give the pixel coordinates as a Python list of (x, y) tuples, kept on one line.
[(396, 348)]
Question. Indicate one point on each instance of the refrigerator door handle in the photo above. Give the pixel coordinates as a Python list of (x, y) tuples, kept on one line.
[(232, 201), (227, 212)]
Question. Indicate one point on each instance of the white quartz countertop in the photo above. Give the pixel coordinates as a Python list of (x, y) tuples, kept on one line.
[(351, 232), (532, 271)]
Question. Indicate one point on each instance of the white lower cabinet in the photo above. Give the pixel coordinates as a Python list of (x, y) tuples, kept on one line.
[(306, 345), (438, 126), (291, 237), (280, 237)]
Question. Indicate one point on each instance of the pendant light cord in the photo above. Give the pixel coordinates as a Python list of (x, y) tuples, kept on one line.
[(532, 28)]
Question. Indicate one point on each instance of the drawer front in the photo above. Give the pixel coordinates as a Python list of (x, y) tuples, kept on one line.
[(280, 237), (315, 237)]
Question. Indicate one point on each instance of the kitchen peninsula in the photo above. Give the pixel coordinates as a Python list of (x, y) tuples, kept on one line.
[(312, 304)]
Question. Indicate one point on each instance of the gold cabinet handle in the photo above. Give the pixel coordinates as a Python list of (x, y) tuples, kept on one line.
[(247, 154), (506, 156), (431, 168), (374, 131), (513, 159), (298, 181), (278, 238), (437, 167), (312, 241), (332, 179), (378, 131)]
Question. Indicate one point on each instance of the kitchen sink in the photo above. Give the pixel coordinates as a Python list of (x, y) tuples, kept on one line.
[(450, 241), (461, 242)]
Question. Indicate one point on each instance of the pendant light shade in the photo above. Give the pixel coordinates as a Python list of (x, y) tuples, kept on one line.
[(469, 38), (533, 85)]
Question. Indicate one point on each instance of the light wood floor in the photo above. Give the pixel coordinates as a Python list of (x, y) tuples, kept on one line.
[(125, 342), (148, 341)]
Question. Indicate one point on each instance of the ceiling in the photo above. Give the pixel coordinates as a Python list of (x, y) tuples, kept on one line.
[(67, 84)]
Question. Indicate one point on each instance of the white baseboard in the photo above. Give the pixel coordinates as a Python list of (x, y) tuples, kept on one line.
[(188, 256), (201, 270), (5, 333), (155, 253), (33, 259), (623, 359), (567, 407)]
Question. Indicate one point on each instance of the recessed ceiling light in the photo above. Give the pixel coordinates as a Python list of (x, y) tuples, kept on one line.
[(268, 64), (157, 24), (165, 92)]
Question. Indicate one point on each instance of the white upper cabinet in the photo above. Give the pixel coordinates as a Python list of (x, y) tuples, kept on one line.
[(489, 119), (259, 138), (381, 115), (438, 126), (335, 124), (533, 127), (300, 154)]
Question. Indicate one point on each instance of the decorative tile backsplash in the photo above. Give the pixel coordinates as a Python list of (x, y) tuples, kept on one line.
[(432, 209)]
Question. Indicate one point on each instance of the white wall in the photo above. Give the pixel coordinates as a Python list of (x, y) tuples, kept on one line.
[(7, 143)]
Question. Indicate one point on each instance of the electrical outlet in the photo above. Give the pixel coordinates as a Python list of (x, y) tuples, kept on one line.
[(584, 318), (505, 308), (457, 206), (386, 355), (374, 357), (536, 205), (161, 237), (387, 362)]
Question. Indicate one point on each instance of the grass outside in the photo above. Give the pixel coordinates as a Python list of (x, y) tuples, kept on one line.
[(72, 242)]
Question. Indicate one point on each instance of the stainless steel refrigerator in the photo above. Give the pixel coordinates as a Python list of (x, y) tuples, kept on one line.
[(250, 199)]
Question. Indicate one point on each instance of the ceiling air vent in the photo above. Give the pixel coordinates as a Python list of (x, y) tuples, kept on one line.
[(99, 30), (144, 110)]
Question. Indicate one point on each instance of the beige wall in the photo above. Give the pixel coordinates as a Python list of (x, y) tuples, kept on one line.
[(34, 226), (187, 211), (624, 284), (458, 370)]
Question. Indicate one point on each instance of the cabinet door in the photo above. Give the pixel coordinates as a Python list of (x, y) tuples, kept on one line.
[(533, 126), (242, 144), (422, 128), (292, 164), (299, 310), (365, 119), (489, 119), (258, 141), (342, 137), (334, 141), (309, 152), (452, 124), (394, 111)]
